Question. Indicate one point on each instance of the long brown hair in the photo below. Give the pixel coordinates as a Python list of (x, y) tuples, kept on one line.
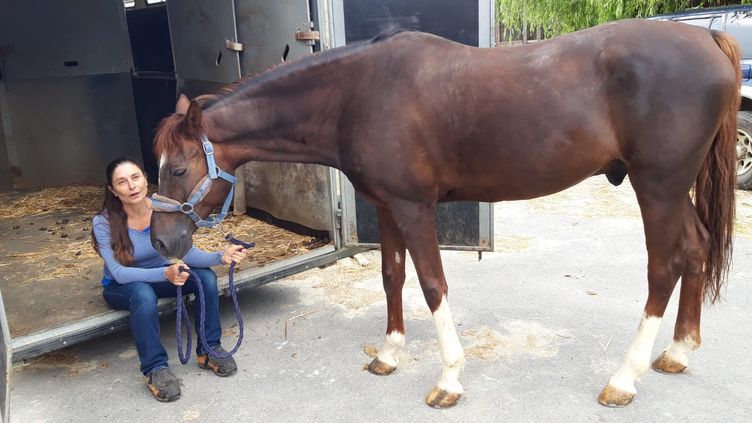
[(112, 210)]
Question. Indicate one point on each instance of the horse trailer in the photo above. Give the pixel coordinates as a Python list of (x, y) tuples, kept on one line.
[(86, 81)]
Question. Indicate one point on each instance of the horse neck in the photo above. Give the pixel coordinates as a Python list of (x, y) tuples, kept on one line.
[(288, 119)]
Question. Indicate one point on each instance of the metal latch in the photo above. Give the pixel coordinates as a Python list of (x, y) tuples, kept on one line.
[(308, 37), (233, 45)]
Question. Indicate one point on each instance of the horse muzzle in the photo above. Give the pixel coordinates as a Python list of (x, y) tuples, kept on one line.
[(174, 240)]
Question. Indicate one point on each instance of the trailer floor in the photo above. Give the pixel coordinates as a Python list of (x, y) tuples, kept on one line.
[(50, 276), (545, 320)]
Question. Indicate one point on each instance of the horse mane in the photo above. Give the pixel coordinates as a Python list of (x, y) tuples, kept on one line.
[(168, 134), (282, 69), (387, 34)]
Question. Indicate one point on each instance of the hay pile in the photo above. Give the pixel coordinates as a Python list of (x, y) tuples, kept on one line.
[(36, 249), (16, 205), (46, 232), (272, 243), (52, 259)]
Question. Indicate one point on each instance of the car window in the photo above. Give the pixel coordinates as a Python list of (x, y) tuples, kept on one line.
[(739, 25), (717, 23), (712, 22)]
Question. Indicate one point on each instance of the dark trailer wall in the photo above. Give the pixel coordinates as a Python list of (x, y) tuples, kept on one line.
[(460, 225), (153, 75), (67, 100), (456, 20), (78, 92)]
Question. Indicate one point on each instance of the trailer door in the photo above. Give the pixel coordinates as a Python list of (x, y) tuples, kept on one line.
[(5, 355), (272, 32), (203, 33), (218, 42), (459, 225)]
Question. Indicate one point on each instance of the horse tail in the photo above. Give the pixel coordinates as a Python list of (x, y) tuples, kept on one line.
[(716, 182)]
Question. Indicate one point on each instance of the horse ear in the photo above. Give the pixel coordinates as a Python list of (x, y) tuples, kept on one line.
[(182, 105), (193, 117)]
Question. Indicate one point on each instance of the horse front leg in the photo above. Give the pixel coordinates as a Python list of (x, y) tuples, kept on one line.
[(393, 274), (417, 225)]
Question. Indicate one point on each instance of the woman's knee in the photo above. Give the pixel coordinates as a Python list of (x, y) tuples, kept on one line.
[(142, 298), (208, 279)]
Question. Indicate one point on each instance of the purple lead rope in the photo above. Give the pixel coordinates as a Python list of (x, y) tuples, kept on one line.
[(182, 313)]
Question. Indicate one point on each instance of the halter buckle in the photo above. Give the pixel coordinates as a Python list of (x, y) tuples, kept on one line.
[(208, 148)]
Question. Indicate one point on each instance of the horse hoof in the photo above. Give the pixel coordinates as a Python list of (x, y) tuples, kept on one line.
[(380, 368), (614, 397), (665, 364), (439, 398)]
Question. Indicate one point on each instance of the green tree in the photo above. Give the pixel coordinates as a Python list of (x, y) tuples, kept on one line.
[(560, 16)]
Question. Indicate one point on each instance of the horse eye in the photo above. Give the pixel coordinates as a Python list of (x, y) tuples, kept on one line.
[(179, 172)]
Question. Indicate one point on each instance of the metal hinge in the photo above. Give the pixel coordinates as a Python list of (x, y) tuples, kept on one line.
[(338, 220)]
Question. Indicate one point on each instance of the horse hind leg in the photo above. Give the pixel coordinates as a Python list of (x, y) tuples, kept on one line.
[(393, 274), (666, 262), (417, 225), (675, 357)]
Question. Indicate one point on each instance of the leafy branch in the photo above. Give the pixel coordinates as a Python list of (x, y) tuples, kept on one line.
[(561, 16)]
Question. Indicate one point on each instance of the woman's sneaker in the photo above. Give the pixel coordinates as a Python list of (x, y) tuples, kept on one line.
[(220, 366), (164, 386)]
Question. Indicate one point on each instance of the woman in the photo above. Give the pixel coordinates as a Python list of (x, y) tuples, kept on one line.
[(135, 276)]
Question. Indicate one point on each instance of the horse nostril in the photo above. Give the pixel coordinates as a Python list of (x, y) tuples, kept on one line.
[(159, 245)]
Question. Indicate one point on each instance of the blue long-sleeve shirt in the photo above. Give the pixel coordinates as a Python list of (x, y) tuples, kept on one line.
[(148, 265)]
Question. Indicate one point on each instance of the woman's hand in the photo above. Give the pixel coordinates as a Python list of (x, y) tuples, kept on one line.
[(234, 254), (174, 275)]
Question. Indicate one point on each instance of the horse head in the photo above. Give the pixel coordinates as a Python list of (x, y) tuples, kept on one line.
[(188, 167)]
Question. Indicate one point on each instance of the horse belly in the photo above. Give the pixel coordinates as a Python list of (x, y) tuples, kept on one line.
[(513, 187), (530, 169)]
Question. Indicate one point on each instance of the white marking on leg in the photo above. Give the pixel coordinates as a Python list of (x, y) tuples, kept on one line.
[(393, 345), (638, 356), (452, 355), (397, 257), (679, 350)]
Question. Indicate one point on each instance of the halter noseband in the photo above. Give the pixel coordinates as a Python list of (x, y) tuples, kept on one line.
[(161, 203)]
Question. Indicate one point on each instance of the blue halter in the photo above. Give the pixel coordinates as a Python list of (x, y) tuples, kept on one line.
[(161, 203)]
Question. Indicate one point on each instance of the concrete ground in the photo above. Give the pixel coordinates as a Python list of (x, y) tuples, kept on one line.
[(545, 320)]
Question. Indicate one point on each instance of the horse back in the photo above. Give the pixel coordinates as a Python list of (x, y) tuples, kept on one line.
[(503, 123)]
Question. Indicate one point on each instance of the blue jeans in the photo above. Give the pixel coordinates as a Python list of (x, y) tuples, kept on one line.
[(140, 298)]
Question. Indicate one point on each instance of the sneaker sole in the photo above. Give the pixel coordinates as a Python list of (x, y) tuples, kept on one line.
[(216, 370), (155, 393)]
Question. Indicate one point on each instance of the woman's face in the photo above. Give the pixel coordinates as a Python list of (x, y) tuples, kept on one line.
[(129, 183)]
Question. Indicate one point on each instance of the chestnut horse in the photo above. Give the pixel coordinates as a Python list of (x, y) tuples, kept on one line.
[(413, 119)]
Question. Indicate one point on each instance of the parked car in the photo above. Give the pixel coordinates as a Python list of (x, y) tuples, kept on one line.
[(737, 21)]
